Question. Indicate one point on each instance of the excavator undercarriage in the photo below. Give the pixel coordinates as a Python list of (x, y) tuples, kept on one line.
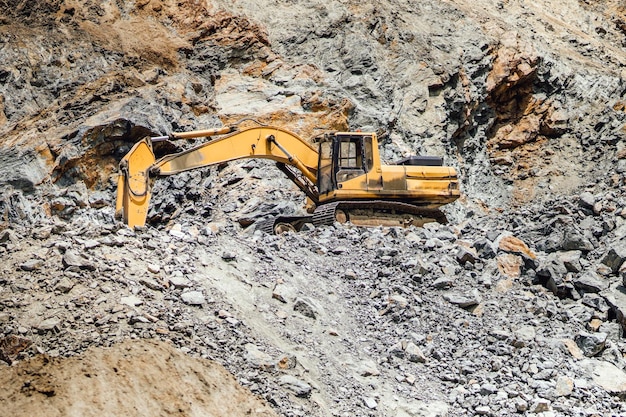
[(369, 213)]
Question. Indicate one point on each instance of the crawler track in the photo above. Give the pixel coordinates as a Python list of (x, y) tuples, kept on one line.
[(362, 213), (370, 212)]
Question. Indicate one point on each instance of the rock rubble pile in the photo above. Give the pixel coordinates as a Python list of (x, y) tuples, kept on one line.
[(496, 315)]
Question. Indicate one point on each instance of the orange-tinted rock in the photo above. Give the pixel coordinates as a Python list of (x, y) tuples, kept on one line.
[(515, 64), (510, 265), (514, 245)]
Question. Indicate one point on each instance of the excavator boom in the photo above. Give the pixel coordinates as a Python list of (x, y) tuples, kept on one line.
[(139, 165)]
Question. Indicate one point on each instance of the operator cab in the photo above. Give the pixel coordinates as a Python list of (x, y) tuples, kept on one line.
[(343, 156)]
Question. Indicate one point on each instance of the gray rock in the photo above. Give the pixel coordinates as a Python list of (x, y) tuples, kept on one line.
[(338, 250), (305, 308), (552, 273), (397, 350), (177, 233), (462, 300), (613, 355), (573, 240), (91, 243), (65, 285), (99, 199), (350, 274), (421, 268), (50, 324), (541, 405), (590, 282), (8, 236), (571, 260), (150, 283), (521, 405), (524, 335), (615, 256), (443, 282), (483, 410), (430, 408), (564, 386), (297, 386), (367, 367), (587, 200), (615, 297), (4, 317), (258, 358), (229, 256), (397, 300), (414, 353), (591, 344), (595, 301), (433, 243), (32, 265), (386, 251), (72, 259), (284, 293), (444, 234), (606, 375), (465, 255), (193, 298), (178, 281), (485, 249), (488, 389)]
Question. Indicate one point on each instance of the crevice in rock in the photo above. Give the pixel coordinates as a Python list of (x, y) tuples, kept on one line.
[(99, 150)]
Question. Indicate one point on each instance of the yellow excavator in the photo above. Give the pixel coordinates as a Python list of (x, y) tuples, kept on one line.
[(343, 178)]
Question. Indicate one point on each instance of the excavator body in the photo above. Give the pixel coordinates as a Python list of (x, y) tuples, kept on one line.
[(354, 172), (344, 179)]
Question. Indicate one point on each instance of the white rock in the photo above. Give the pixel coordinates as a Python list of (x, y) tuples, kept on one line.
[(131, 301), (606, 375), (179, 282), (300, 388), (193, 298), (370, 402)]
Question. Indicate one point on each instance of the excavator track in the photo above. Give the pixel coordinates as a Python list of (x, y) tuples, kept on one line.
[(281, 224), (376, 212), (266, 225), (325, 215)]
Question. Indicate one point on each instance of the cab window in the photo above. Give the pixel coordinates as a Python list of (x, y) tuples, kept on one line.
[(350, 154)]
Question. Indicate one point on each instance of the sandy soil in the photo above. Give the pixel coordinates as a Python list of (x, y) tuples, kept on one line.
[(135, 378)]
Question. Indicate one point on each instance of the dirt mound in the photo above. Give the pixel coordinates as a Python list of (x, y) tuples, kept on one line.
[(132, 378)]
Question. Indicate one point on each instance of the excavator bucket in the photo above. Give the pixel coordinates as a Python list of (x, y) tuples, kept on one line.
[(133, 184)]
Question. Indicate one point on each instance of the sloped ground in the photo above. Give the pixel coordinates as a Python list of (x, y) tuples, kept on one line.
[(515, 307), (444, 320), (131, 378)]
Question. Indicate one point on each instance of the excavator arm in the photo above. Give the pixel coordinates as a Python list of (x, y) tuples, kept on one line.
[(139, 166)]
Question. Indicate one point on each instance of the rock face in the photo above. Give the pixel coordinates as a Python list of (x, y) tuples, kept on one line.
[(516, 305), (506, 110)]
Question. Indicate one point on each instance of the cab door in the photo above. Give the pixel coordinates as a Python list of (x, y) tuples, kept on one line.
[(374, 175), (325, 167)]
